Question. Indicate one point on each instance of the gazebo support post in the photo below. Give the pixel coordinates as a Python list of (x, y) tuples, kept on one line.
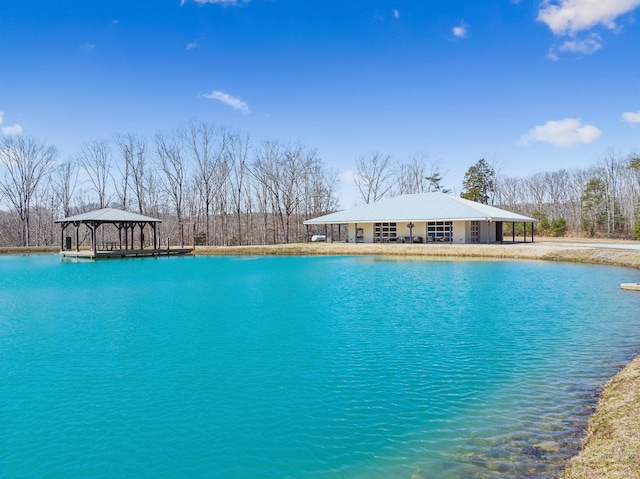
[(64, 226), (142, 225), (94, 239), (155, 236)]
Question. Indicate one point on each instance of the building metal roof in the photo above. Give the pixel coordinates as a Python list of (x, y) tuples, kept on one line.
[(109, 215), (420, 207)]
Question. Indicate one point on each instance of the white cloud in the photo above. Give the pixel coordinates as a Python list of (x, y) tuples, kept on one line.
[(631, 117), (227, 99), (12, 130), (461, 30), (570, 16), (347, 177), (562, 133), (192, 46), (396, 14), (586, 47)]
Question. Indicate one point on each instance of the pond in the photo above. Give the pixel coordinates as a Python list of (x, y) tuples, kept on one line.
[(304, 367)]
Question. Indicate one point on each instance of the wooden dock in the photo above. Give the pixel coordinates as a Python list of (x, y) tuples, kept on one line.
[(125, 253), (630, 286)]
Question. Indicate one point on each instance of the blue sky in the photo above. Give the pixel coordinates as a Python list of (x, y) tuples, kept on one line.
[(531, 85)]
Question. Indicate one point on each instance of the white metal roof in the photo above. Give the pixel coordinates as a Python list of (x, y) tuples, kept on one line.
[(110, 215), (420, 207)]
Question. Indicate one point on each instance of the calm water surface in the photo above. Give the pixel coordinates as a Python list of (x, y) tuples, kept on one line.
[(330, 367)]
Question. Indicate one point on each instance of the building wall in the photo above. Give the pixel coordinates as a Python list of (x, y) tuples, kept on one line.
[(366, 233), (461, 232), (489, 232)]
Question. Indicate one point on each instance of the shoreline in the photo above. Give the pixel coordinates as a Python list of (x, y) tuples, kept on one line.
[(611, 448), (618, 253)]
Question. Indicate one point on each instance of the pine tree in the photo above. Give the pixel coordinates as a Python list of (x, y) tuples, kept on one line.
[(479, 182)]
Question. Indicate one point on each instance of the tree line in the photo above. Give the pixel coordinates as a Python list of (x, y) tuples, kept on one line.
[(600, 200), (204, 182), (216, 186)]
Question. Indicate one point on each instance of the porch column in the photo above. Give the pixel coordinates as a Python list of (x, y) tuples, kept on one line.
[(94, 239), (488, 230), (155, 236), (356, 232), (64, 226)]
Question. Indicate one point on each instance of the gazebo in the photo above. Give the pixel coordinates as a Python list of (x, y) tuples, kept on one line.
[(126, 224)]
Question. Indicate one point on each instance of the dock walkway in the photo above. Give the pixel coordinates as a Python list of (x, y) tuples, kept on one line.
[(125, 253)]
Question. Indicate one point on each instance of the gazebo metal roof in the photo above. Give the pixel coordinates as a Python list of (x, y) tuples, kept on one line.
[(109, 215), (421, 207)]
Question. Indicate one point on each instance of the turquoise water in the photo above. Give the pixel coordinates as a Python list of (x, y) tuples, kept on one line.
[(303, 367)]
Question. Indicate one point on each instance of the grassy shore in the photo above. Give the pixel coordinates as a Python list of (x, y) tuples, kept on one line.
[(612, 446), (577, 252)]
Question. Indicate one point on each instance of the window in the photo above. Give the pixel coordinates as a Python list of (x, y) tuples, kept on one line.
[(440, 230), (475, 231), (384, 232)]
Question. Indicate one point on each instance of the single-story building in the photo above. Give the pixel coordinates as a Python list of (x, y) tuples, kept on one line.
[(424, 217)]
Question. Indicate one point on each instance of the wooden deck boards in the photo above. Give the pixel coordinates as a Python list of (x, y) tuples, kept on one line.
[(126, 253)]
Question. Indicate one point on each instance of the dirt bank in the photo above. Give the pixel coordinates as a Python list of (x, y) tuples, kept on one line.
[(620, 253), (612, 447)]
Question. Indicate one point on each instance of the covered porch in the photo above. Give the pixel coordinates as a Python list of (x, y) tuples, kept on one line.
[(424, 218)]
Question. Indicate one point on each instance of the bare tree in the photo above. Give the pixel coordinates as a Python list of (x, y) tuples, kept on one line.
[(173, 166), (207, 147), (133, 151), (95, 159), (612, 167), (419, 175), (238, 154), (373, 176), (63, 182), (26, 163)]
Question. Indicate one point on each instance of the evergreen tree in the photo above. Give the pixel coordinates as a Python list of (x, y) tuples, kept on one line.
[(594, 205), (479, 182)]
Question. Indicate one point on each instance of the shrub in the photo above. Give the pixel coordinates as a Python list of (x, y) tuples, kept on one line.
[(558, 227)]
